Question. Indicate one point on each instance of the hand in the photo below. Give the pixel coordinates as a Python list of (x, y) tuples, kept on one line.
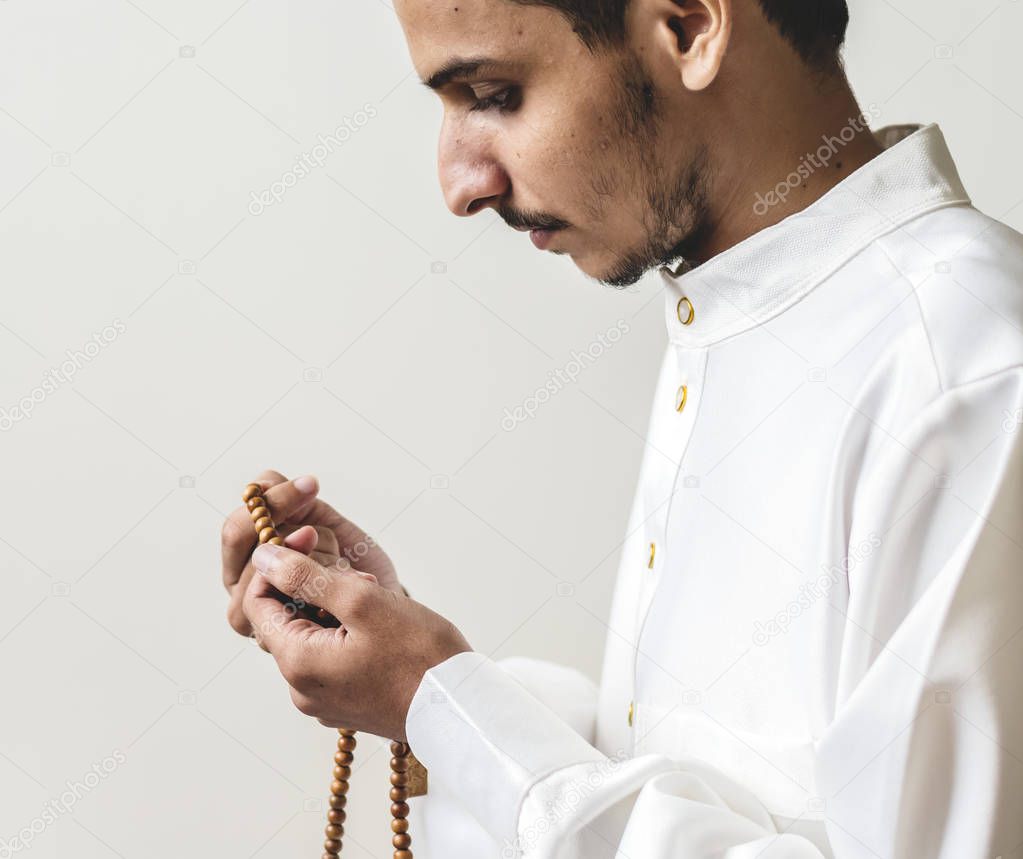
[(360, 676), (330, 539)]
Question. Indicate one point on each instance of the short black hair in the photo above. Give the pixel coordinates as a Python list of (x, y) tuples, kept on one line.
[(815, 28)]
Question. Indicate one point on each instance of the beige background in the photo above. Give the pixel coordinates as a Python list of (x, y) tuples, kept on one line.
[(355, 330)]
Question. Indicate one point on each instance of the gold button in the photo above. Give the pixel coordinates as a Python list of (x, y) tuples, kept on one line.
[(686, 312), (632, 712), (681, 397), (653, 551)]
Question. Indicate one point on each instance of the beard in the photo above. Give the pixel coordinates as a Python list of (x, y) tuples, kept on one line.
[(675, 219)]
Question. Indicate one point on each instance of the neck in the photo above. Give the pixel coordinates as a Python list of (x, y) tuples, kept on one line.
[(811, 144)]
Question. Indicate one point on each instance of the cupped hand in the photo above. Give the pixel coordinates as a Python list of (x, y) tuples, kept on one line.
[(308, 525), (362, 675)]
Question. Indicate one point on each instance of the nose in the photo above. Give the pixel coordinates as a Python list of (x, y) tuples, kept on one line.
[(471, 178)]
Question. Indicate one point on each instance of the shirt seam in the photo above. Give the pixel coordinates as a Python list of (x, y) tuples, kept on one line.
[(920, 312), (888, 225)]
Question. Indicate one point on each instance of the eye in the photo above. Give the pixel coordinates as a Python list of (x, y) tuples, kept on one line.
[(504, 100)]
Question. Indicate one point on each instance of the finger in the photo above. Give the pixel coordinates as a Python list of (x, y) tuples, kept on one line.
[(320, 536), (236, 615), (237, 590), (238, 536), (273, 621), (362, 551), (303, 539), (312, 538), (327, 541), (300, 577), (324, 559)]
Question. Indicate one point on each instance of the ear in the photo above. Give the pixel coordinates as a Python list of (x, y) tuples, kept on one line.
[(696, 34)]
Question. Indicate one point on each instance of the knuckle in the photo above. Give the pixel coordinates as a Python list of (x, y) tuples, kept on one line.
[(231, 534), (359, 600), (270, 476), (299, 677), (237, 619), (296, 575), (326, 540), (304, 704)]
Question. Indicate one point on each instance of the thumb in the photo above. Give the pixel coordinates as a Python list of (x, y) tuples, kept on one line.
[(302, 578)]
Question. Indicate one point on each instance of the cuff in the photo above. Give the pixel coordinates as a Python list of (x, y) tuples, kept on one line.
[(488, 740)]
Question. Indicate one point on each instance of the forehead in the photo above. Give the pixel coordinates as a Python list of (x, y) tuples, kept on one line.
[(437, 30)]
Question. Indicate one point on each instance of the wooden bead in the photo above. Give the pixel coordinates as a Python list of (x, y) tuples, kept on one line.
[(266, 531)]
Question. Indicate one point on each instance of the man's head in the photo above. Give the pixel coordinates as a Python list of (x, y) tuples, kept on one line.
[(610, 126)]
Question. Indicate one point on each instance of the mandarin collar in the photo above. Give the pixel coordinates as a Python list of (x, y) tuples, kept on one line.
[(765, 274)]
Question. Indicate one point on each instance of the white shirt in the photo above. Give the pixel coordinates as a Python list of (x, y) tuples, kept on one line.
[(816, 636)]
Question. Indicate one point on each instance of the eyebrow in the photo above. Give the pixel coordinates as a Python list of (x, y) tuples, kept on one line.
[(460, 68)]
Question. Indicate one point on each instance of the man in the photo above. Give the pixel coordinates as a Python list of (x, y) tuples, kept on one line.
[(815, 640)]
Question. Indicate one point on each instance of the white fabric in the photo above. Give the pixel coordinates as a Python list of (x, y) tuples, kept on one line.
[(825, 659)]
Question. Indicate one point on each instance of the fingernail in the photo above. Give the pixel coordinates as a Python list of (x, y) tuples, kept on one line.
[(306, 484), (264, 555)]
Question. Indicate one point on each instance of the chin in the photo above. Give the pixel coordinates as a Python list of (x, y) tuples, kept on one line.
[(594, 265)]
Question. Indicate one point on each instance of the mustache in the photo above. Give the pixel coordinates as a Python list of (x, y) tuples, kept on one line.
[(530, 220)]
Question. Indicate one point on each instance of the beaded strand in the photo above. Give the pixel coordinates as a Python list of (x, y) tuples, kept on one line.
[(402, 759)]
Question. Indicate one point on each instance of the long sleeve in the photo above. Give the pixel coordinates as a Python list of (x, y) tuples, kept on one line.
[(922, 755)]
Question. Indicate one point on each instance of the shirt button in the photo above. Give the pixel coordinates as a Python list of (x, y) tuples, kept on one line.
[(632, 711), (653, 551), (681, 397), (685, 310)]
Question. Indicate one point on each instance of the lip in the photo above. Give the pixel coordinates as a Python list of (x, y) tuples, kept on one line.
[(541, 238)]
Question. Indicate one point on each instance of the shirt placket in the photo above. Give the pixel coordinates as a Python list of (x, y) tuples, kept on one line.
[(679, 394)]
